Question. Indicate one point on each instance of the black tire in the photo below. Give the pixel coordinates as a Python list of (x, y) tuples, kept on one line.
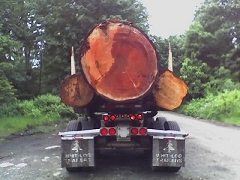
[(148, 122), (74, 125), (87, 123), (159, 123), (166, 169), (72, 169), (172, 125)]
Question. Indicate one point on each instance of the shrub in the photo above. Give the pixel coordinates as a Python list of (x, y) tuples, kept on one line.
[(223, 107)]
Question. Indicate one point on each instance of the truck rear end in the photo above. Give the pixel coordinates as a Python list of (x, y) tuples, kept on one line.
[(156, 137)]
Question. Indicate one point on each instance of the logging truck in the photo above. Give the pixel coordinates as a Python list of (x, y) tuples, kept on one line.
[(118, 93)]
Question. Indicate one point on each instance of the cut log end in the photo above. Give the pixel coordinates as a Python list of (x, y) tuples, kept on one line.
[(169, 91), (75, 91), (121, 63)]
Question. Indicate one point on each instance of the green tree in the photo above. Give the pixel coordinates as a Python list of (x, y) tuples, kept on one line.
[(196, 75), (66, 23), (162, 46)]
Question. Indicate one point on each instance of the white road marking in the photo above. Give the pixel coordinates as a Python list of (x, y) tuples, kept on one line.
[(57, 174), (52, 147), (21, 165), (3, 165), (45, 159)]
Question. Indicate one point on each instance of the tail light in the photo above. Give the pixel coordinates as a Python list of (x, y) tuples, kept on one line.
[(139, 116), (133, 117), (112, 131), (104, 131), (105, 117), (108, 131), (112, 118), (143, 131), (134, 131)]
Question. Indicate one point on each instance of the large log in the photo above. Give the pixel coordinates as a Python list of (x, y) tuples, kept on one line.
[(75, 91), (119, 61), (169, 91)]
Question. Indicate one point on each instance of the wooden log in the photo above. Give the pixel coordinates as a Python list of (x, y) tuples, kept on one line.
[(169, 91), (119, 61), (75, 91)]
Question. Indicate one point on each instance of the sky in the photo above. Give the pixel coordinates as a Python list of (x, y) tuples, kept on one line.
[(170, 17)]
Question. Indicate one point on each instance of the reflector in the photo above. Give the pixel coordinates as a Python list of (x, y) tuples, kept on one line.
[(134, 131), (105, 117), (139, 116), (112, 131), (104, 131), (112, 118), (143, 131), (133, 117)]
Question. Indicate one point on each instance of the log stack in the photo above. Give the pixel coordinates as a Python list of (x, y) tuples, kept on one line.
[(120, 64)]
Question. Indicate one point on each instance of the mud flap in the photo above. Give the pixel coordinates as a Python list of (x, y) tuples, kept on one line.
[(168, 152), (78, 152)]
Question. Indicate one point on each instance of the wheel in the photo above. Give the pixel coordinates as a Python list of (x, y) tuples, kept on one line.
[(173, 169), (87, 123), (72, 169), (171, 125), (166, 169), (148, 122), (159, 123), (74, 125)]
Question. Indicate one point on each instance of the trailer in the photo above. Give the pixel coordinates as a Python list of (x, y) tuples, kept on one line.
[(131, 129), (118, 91)]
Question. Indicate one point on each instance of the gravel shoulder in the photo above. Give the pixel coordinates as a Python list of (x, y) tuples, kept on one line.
[(211, 154)]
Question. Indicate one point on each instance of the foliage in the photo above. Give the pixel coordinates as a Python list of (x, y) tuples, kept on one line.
[(7, 92), (197, 76), (214, 39), (45, 106), (36, 37), (223, 107), (162, 46)]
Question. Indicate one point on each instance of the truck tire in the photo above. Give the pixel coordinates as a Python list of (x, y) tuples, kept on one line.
[(87, 123), (148, 122), (172, 125), (74, 125), (159, 123)]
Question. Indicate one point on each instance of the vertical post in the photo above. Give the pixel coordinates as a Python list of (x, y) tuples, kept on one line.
[(73, 68), (170, 60)]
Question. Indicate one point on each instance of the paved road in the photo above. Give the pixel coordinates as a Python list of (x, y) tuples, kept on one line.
[(212, 153)]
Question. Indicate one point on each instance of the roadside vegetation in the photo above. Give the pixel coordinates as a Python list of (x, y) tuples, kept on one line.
[(224, 107), (26, 114)]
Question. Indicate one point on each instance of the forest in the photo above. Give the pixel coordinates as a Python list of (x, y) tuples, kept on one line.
[(36, 39)]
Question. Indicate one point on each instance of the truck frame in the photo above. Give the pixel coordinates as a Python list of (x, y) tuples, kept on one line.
[(122, 126)]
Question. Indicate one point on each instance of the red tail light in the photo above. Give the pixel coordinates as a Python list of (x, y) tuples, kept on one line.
[(112, 131), (133, 117), (105, 117), (139, 116), (104, 131), (112, 118), (134, 131), (143, 131)]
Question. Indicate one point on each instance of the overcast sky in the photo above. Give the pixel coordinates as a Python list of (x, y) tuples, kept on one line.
[(170, 17)]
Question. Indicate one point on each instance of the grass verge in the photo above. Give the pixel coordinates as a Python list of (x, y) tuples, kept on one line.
[(224, 107), (13, 125)]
